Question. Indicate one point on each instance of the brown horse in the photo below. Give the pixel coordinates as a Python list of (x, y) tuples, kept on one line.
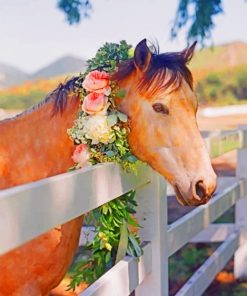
[(161, 107)]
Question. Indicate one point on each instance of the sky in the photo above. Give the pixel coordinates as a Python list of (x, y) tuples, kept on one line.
[(34, 32)]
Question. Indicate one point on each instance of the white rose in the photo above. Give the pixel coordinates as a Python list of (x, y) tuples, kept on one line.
[(96, 128)]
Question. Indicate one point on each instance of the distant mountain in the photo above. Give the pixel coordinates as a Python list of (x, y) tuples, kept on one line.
[(219, 58), (65, 65), (11, 76)]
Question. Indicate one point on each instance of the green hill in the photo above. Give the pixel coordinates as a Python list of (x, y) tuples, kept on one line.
[(220, 74)]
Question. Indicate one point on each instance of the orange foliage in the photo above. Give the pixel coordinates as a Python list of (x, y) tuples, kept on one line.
[(42, 85), (60, 290), (225, 277)]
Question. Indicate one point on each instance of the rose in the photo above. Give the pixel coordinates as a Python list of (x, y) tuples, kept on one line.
[(96, 128), (98, 82), (81, 155), (95, 103)]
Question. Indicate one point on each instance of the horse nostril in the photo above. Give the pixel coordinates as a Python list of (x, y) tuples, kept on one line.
[(200, 190)]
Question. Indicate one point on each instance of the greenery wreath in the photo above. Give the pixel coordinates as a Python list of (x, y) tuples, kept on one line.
[(100, 134)]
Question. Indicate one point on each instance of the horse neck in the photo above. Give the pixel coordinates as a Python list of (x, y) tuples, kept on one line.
[(36, 143)]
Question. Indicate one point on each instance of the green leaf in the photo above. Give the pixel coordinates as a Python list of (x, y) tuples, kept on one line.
[(110, 153), (112, 119), (121, 93), (130, 210), (123, 243), (108, 257), (132, 158), (135, 245), (122, 117), (104, 209), (132, 222), (131, 52)]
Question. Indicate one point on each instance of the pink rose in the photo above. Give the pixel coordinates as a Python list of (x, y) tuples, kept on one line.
[(81, 155), (98, 82), (94, 103)]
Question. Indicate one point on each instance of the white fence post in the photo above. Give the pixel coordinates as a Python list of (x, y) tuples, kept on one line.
[(152, 216), (240, 257)]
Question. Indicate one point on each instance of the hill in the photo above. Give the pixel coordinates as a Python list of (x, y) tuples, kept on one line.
[(65, 65), (219, 58), (11, 76)]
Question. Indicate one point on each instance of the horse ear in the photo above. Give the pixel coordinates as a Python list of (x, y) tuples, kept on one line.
[(188, 52), (142, 56)]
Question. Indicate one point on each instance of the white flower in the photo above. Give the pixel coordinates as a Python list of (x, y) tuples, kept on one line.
[(96, 128)]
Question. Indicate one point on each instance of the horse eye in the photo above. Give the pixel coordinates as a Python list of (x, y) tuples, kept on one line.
[(160, 108)]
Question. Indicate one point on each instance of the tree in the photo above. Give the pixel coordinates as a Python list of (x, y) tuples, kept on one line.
[(75, 10), (197, 15)]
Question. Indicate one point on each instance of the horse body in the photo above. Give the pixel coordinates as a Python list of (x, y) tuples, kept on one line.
[(34, 146), (161, 108)]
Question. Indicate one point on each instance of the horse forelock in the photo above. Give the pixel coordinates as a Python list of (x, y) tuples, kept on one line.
[(164, 71)]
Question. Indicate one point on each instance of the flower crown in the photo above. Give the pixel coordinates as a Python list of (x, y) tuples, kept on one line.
[(100, 131)]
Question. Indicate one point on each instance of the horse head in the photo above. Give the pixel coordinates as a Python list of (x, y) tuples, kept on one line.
[(161, 106)]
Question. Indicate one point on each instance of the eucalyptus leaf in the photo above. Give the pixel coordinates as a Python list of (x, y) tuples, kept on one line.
[(132, 158), (122, 117), (112, 119), (110, 153)]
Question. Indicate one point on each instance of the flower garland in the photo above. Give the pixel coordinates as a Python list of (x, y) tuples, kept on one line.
[(100, 134)]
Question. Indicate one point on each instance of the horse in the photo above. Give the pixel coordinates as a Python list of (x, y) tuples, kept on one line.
[(161, 107)]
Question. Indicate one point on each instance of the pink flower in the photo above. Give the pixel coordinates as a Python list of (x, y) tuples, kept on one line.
[(81, 155), (94, 103), (98, 82)]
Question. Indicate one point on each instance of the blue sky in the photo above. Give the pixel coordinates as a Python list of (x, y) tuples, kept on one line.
[(34, 32)]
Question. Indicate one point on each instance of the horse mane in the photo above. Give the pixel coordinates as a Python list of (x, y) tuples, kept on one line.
[(61, 93), (59, 96)]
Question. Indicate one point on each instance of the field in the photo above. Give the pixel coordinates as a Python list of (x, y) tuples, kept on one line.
[(23, 96)]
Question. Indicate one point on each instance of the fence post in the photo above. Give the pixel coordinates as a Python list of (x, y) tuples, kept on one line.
[(240, 257), (152, 216)]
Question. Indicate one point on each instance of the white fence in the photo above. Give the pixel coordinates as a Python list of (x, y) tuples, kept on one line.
[(27, 211)]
